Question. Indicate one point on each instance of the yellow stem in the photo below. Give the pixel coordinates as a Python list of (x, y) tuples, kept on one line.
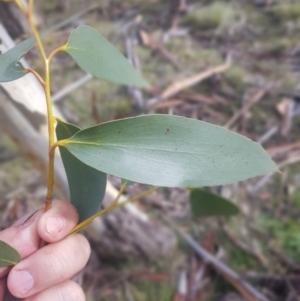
[(35, 31), (141, 195), (61, 48), (49, 104), (115, 202), (47, 86), (41, 48), (50, 181), (113, 206), (57, 119)]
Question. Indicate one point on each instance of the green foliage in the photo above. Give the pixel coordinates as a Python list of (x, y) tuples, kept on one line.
[(87, 185), (205, 204), (8, 255), (145, 290), (285, 231), (95, 55), (238, 77), (295, 198), (287, 11), (215, 14), (240, 260), (10, 67), (161, 150), (169, 151)]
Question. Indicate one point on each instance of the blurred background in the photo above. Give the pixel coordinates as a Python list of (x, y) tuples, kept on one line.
[(231, 63)]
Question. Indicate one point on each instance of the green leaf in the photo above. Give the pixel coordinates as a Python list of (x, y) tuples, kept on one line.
[(170, 151), (10, 67), (95, 55), (205, 204), (8, 255), (87, 185)]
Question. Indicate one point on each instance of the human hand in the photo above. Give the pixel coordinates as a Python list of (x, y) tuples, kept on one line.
[(44, 274)]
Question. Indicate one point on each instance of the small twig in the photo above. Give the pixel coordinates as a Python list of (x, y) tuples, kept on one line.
[(36, 74), (248, 250), (245, 289), (193, 80), (292, 159), (149, 41), (128, 294), (257, 97), (135, 93), (197, 97), (113, 206), (71, 19), (167, 104), (277, 150), (70, 88), (116, 200), (178, 86), (285, 260), (268, 135), (182, 287)]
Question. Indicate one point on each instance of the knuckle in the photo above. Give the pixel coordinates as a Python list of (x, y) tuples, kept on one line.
[(56, 264), (61, 263)]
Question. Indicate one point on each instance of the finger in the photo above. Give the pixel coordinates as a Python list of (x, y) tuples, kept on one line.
[(49, 266), (66, 291), (57, 222), (22, 236)]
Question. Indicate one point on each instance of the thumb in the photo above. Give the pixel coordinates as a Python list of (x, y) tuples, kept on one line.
[(23, 236)]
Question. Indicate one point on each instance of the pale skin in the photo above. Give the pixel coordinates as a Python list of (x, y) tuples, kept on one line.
[(44, 274)]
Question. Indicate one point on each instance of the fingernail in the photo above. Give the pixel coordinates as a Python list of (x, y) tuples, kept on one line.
[(23, 282), (54, 225)]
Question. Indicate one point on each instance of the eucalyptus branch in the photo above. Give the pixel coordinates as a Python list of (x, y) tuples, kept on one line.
[(46, 84), (158, 150)]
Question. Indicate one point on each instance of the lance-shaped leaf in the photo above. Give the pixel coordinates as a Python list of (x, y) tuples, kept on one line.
[(8, 255), (205, 204), (87, 185), (170, 151), (10, 67), (95, 55)]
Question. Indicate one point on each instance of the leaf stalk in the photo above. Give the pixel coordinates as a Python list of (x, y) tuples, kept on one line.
[(113, 206), (37, 75), (55, 51)]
